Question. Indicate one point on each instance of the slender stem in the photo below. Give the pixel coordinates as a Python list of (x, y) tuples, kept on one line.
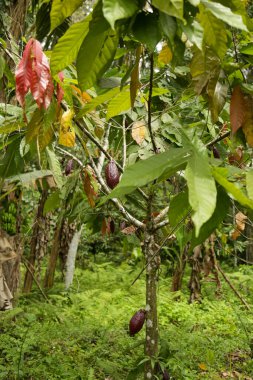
[(219, 138), (105, 146), (124, 141), (151, 77)]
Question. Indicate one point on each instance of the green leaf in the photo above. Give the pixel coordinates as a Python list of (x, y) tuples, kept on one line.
[(29, 179), (195, 3), (2, 66), (194, 32), (146, 29), (9, 127), (215, 34), (62, 9), (118, 9), (55, 167), (218, 216), (201, 185), (220, 175), (225, 14), (168, 26), (249, 183), (98, 101), (66, 50), (97, 50), (120, 103), (218, 100), (9, 109), (205, 68), (179, 208), (171, 7), (53, 201), (159, 167)]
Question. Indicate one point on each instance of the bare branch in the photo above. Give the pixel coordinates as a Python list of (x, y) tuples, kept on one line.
[(161, 215), (105, 146), (70, 155)]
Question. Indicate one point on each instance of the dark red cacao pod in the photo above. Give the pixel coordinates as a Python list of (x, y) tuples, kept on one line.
[(136, 322), (216, 153), (69, 167), (112, 174)]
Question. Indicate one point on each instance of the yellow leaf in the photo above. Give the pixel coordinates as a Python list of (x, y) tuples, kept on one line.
[(67, 132), (203, 366), (165, 55), (139, 131)]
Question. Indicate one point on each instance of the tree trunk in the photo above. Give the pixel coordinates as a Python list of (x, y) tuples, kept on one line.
[(18, 14), (35, 243), (49, 277), (179, 271), (151, 345), (194, 283), (249, 247)]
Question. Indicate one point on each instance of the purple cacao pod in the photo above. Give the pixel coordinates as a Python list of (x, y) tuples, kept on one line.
[(112, 174), (136, 322), (216, 153), (69, 167)]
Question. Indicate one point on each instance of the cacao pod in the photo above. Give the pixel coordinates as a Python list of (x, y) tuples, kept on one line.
[(136, 322), (69, 167), (216, 153), (112, 174)]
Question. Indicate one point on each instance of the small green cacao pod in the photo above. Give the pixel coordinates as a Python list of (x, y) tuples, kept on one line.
[(136, 322), (112, 174)]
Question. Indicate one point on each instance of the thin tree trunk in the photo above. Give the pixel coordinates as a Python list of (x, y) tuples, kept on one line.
[(249, 247), (71, 258), (179, 271), (194, 283), (34, 244), (49, 277), (18, 14)]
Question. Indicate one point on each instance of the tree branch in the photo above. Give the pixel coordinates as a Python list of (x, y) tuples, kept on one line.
[(105, 146)]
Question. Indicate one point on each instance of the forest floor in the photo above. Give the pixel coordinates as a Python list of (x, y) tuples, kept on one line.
[(83, 333)]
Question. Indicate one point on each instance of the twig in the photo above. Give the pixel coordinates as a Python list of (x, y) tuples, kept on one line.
[(219, 138), (124, 141), (66, 153), (161, 215), (232, 287), (105, 146), (150, 103)]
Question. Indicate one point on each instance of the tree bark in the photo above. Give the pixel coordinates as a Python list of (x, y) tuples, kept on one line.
[(194, 283), (49, 277), (179, 271), (34, 243), (18, 14), (249, 247)]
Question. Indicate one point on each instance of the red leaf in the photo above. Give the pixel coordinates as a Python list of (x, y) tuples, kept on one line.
[(237, 109), (60, 91), (33, 73)]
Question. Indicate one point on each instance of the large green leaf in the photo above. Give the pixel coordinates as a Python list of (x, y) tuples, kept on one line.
[(168, 25), (171, 7), (120, 103), (159, 166), (249, 183), (97, 50), (29, 179), (66, 50), (55, 167), (62, 9), (215, 34), (220, 175), (146, 29), (219, 214), (201, 185), (9, 109), (179, 208), (119, 9), (98, 101), (205, 69), (225, 14), (218, 100)]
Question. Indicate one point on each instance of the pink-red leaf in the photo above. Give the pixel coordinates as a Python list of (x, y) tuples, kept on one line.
[(33, 73), (237, 109)]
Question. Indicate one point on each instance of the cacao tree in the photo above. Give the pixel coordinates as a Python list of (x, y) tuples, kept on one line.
[(156, 92)]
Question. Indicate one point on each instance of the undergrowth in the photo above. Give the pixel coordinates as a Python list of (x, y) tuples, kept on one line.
[(83, 334)]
